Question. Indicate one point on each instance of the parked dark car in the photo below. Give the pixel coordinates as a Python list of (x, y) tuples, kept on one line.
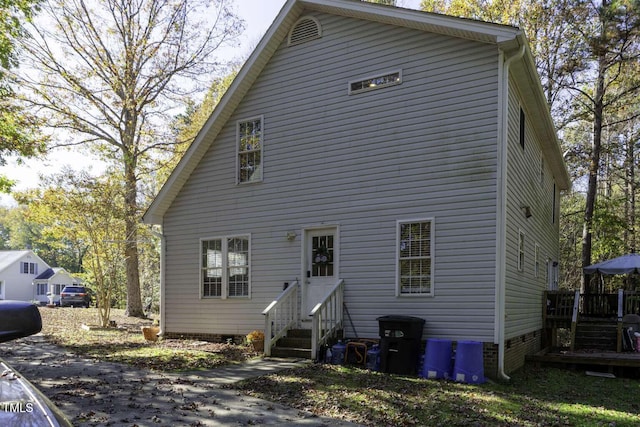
[(21, 404), (75, 296)]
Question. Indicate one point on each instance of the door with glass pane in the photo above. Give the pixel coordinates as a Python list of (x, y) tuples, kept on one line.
[(321, 265)]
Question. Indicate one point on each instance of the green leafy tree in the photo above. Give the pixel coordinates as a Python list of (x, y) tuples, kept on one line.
[(93, 211), (112, 73), (18, 129)]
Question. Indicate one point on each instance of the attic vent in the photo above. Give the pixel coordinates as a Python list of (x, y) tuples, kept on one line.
[(305, 29)]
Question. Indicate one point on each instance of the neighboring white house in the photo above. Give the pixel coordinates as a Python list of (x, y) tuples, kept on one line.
[(409, 155), (18, 269), (52, 280)]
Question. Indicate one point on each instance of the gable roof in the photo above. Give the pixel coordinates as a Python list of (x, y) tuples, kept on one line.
[(47, 274), (8, 258), (507, 38), (53, 271)]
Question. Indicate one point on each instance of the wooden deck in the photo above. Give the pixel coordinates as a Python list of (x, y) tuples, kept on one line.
[(586, 358)]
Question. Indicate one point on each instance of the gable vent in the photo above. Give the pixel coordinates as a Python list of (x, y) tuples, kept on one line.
[(305, 29)]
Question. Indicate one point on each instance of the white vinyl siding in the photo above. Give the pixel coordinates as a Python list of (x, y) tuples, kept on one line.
[(422, 149), (529, 183)]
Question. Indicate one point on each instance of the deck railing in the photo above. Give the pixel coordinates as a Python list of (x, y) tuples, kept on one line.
[(280, 316), (563, 308), (326, 318), (574, 318), (599, 305), (560, 304), (631, 302)]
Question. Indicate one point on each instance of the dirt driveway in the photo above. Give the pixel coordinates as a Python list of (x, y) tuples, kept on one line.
[(94, 393)]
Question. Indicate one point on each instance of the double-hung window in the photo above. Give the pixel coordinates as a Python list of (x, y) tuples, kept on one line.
[(225, 267), (249, 145), (28, 268), (415, 257)]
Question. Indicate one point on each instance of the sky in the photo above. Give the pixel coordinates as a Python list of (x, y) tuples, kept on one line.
[(258, 16)]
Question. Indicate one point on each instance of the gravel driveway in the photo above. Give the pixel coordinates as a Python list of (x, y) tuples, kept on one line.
[(94, 393)]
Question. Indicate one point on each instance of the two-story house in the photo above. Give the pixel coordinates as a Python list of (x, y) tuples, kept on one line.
[(404, 162)]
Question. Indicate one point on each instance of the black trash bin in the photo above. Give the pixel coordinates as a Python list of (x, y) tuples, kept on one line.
[(400, 339)]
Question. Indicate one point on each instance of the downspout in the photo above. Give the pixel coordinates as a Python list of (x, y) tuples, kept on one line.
[(501, 215), (163, 244)]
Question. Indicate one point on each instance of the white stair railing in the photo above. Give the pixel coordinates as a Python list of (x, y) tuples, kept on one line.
[(280, 316), (327, 318)]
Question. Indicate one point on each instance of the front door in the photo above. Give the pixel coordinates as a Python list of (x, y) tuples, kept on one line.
[(321, 258)]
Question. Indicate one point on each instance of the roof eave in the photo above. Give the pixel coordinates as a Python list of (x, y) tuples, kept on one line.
[(526, 75), (229, 101)]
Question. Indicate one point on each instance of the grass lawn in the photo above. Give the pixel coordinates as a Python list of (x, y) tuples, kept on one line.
[(74, 329), (533, 397)]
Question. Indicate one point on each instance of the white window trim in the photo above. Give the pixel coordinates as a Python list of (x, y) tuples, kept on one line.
[(373, 76), (224, 291), (521, 250), (432, 222), (249, 119)]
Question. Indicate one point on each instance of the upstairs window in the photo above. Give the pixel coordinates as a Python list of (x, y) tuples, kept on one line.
[(249, 136), (28, 268), (415, 257), (376, 82)]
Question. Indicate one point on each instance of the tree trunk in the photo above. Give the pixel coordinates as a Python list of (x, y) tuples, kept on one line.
[(630, 197), (594, 165), (134, 299)]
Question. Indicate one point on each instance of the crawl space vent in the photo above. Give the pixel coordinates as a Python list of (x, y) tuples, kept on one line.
[(306, 29)]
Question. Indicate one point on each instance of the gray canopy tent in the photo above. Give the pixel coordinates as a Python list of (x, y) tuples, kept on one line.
[(625, 264)]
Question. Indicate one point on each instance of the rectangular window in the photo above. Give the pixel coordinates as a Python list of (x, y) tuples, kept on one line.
[(42, 289), (57, 288), (250, 141), (415, 257), (536, 261), (522, 120), (225, 267), (376, 82), (520, 251), (28, 268)]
